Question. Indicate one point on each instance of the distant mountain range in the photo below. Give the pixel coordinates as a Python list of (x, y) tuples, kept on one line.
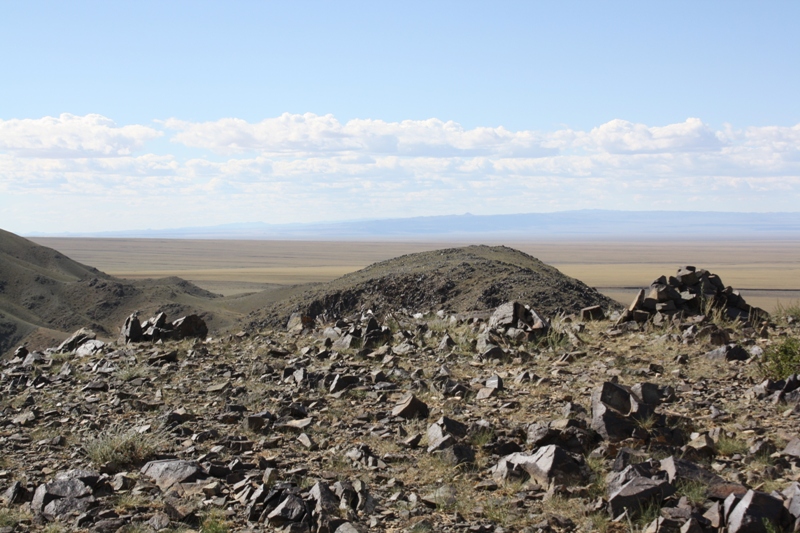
[(558, 225)]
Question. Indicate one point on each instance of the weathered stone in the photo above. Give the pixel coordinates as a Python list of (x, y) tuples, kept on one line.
[(494, 382), (637, 493), (89, 347), (610, 406), (457, 454), (76, 339), (446, 343), (298, 322), (792, 448), (325, 500), (508, 315), (550, 464), (291, 509), (594, 312), (569, 433), (189, 327), (341, 383), (729, 352), (753, 510), (15, 493), (168, 472), (411, 407)]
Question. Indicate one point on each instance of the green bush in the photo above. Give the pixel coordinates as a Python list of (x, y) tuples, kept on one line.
[(781, 360)]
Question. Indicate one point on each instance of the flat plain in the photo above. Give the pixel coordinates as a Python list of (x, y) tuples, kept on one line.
[(767, 272)]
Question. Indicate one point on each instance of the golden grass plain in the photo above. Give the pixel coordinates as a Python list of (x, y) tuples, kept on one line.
[(767, 272)]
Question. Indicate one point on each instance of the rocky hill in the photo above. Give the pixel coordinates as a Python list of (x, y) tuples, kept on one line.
[(443, 423), (42, 290), (457, 280)]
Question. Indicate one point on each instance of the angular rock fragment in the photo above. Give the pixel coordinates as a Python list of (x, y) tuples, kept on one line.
[(549, 464), (754, 511), (636, 494), (76, 339), (168, 472), (410, 407)]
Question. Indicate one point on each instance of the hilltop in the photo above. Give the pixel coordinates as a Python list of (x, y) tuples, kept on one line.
[(45, 294), (456, 280)]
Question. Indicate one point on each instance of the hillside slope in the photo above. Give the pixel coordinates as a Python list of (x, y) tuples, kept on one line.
[(473, 278), (41, 288)]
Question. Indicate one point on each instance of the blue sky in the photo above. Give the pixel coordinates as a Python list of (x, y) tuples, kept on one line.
[(124, 115)]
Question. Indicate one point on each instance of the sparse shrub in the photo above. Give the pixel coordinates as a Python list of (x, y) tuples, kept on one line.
[(694, 491), (421, 527), (599, 522), (789, 310), (598, 467), (482, 437), (10, 518), (645, 515), (728, 446), (122, 447), (132, 372), (215, 522), (782, 360)]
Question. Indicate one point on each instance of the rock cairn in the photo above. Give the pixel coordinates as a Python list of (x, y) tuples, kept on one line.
[(689, 292)]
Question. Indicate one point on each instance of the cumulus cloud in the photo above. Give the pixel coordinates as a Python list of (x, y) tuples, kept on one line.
[(72, 136), (296, 168), (310, 133)]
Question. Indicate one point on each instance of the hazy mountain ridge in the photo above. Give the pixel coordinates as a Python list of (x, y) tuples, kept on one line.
[(563, 224)]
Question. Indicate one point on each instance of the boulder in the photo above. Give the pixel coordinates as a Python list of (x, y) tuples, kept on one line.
[(754, 511), (636, 494), (410, 407), (189, 327), (729, 352), (594, 312), (76, 339), (167, 472), (131, 330), (549, 464), (291, 509)]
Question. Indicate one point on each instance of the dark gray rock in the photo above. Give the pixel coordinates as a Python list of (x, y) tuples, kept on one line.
[(636, 494), (594, 312), (753, 510), (411, 407), (189, 327), (729, 352), (550, 464), (291, 509)]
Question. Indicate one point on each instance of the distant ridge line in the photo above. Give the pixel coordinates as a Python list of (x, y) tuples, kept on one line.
[(676, 225)]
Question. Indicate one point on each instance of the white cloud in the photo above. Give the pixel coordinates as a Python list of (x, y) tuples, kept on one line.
[(72, 136), (310, 133), (297, 168)]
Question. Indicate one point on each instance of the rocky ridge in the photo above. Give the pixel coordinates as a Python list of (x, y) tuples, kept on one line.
[(506, 420), (456, 280)]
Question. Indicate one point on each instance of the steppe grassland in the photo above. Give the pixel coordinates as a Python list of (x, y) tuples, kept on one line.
[(768, 272)]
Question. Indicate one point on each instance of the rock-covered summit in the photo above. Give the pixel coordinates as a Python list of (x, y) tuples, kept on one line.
[(457, 280)]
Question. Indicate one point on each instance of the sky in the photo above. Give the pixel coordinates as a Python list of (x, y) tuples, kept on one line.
[(136, 115)]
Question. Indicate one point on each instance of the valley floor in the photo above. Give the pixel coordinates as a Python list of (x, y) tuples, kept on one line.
[(766, 271)]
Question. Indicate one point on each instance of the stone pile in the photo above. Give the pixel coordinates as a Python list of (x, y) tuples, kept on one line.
[(157, 328), (689, 292)]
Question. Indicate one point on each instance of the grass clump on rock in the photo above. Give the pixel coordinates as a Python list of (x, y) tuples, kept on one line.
[(119, 447), (782, 360)]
